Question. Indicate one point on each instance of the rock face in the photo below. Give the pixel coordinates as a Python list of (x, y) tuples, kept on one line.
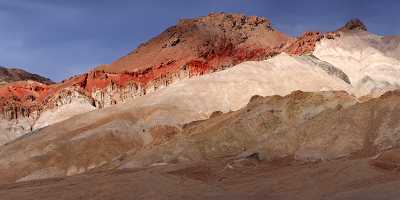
[(182, 102), (302, 126), (193, 47), (20, 92), (354, 24), (204, 45), (365, 58), (232, 88), (238, 113), (214, 41), (8, 75), (97, 138), (370, 62), (305, 44), (263, 128), (327, 67), (19, 109), (225, 90)]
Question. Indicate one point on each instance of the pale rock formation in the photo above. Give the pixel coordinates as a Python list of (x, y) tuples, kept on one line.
[(232, 88), (365, 58)]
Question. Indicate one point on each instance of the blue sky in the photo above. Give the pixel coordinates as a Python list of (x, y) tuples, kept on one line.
[(60, 38)]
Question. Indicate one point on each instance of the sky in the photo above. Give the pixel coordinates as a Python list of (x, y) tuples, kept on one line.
[(61, 38)]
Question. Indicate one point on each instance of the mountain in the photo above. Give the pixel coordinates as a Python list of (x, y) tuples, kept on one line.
[(191, 48), (213, 42), (216, 107), (96, 139), (210, 44), (371, 63), (225, 90), (302, 126), (8, 75)]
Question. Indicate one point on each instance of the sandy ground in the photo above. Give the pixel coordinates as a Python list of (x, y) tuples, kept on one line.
[(350, 178)]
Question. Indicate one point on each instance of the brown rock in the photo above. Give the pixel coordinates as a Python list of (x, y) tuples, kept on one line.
[(8, 75), (354, 24)]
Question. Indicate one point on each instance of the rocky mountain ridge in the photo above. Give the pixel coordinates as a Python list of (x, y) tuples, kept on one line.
[(213, 108), (212, 41), (191, 48)]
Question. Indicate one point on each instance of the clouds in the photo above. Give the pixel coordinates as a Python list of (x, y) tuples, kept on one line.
[(59, 38)]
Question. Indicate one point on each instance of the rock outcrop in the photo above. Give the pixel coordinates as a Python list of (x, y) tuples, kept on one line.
[(197, 47), (193, 47), (369, 60), (197, 94), (302, 126), (213, 41), (306, 43), (354, 25), (212, 101)]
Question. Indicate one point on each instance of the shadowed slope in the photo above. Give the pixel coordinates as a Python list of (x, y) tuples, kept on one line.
[(8, 75)]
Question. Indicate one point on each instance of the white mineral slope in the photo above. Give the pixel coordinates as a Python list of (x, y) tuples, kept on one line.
[(231, 89), (224, 91), (62, 113), (11, 129), (370, 61), (391, 46), (87, 141), (67, 106)]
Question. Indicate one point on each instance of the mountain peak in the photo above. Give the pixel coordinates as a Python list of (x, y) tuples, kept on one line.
[(218, 39), (233, 20), (354, 24)]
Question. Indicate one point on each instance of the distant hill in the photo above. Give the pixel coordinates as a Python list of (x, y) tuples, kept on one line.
[(8, 75)]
